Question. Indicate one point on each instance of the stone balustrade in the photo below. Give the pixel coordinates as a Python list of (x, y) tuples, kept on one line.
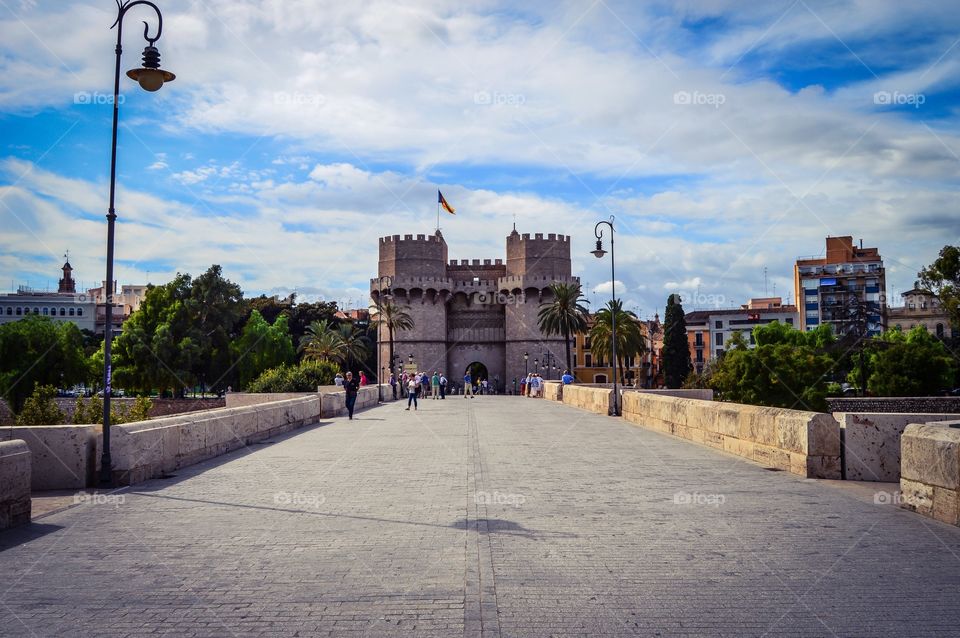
[(62, 456), (871, 443), (15, 504), (930, 470), (151, 449), (804, 443)]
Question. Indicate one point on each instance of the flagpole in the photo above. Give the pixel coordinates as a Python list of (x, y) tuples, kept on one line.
[(438, 213)]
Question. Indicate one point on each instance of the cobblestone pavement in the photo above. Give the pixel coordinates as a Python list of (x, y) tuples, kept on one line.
[(499, 516)]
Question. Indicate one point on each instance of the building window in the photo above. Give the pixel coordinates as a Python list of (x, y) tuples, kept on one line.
[(699, 339), (79, 312), (36, 311), (719, 324), (753, 340), (699, 355), (588, 360), (9, 310), (939, 331), (586, 343), (599, 378), (719, 352), (718, 339), (63, 312), (19, 311), (46, 312), (71, 312), (789, 321)]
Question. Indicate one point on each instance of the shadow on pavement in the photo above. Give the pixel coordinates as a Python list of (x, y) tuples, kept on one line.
[(16, 536), (503, 526)]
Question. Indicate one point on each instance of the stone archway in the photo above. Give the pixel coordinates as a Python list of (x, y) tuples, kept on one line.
[(478, 372)]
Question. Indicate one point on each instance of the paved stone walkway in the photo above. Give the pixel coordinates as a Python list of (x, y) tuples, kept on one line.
[(499, 516)]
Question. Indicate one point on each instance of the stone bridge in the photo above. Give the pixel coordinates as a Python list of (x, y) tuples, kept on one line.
[(498, 516)]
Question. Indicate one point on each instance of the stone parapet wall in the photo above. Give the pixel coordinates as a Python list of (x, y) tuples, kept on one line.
[(333, 403), (599, 400), (160, 407), (241, 399), (62, 456), (552, 390), (871, 443), (804, 443), (15, 503), (703, 394), (930, 470), (903, 405), (151, 449)]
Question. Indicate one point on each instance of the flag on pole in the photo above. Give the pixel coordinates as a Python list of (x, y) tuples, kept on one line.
[(443, 202)]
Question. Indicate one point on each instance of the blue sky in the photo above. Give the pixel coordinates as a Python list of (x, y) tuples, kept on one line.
[(724, 138)]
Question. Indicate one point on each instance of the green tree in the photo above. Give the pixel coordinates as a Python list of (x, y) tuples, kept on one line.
[(394, 318), (41, 409), (787, 368), (356, 344), (303, 314), (629, 336), (181, 335), (322, 343), (676, 350), (37, 351), (565, 314), (943, 278), (901, 364), (262, 346)]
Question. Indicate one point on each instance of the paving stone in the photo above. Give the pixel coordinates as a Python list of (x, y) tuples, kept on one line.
[(502, 516)]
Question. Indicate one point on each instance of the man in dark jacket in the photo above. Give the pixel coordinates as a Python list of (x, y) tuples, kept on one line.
[(352, 386)]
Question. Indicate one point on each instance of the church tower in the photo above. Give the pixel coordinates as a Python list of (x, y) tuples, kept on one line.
[(67, 284)]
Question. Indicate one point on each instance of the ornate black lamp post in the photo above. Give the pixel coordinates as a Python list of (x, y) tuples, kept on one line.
[(380, 295), (525, 358), (599, 253), (150, 77)]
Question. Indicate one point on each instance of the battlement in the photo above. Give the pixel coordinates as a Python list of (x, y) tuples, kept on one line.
[(476, 263), (396, 239), (551, 237)]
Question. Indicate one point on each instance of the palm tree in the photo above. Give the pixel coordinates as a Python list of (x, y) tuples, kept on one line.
[(394, 318), (630, 342), (565, 314), (355, 344), (322, 343)]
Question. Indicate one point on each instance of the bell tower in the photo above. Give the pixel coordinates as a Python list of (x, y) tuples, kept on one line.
[(67, 284)]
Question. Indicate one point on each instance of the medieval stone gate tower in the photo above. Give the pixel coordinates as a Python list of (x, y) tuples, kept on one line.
[(471, 312)]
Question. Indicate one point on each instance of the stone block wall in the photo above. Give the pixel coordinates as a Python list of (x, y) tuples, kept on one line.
[(871, 443), (930, 470), (15, 504), (552, 391), (62, 456), (150, 449), (916, 405), (804, 443), (599, 400)]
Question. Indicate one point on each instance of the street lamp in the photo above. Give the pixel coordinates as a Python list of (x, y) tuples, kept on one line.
[(525, 370), (151, 77), (380, 295), (599, 253)]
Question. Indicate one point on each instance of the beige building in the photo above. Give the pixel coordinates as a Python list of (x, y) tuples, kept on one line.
[(126, 299), (921, 308)]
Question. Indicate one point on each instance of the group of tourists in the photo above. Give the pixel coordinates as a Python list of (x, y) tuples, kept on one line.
[(533, 384), (417, 386)]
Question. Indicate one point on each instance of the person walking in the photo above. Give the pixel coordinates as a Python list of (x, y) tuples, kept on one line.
[(485, 387), (338, 380), (443, 386), (523, 385), (363, 378), (393, 385), (467, 385), (412, 393), (352, 387), (435, 385)]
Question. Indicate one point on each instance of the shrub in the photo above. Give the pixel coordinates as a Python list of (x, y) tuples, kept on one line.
[(91, 411), (303, 377), (41, 409)]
